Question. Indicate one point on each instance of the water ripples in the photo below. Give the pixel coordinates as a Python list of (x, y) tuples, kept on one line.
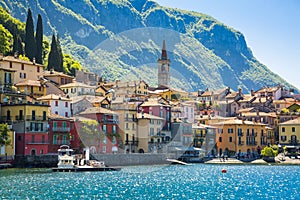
[(198, 181)]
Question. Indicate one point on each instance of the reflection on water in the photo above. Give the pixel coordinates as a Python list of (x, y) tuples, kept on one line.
[(200, 181)]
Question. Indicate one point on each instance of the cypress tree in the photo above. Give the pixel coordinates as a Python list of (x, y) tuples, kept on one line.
[(30, 46), (53, 55), (39, 40), (17, 44), (60, 56)]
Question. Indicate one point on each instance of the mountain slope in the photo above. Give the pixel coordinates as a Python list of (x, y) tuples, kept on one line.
[(121, 39)]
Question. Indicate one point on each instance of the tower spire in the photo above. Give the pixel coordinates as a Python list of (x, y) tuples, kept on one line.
[(164, 51)]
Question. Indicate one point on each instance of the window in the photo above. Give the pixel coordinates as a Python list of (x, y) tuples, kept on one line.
[(220, 139), (283, 138), (22, 66), (104, 149), (44, 115), (240, 132), (54, 139), (33, 114), (151, 131), (104, 129), (114, 129), (127, 126), (64, 140), (230, 130), (66, 114), (56, 103), (24, 75), (220, 130), (283, 129), (66, 104), (104, 140), (54, 126), (38, 69), (293, 129), (10, 64), (230, 139)]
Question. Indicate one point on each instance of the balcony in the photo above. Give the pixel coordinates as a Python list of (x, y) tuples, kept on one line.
[(61, 129), (132, 143), (61, 142), (130, 119), (36, 142), (241, 134), (294, 142), (36, 118), (109, 121), (241, 143)]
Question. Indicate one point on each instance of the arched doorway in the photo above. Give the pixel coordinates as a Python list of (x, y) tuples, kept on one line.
[(141, 151), (33, 152)]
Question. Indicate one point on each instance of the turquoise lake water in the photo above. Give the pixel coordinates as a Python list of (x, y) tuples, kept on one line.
[(199, 181)]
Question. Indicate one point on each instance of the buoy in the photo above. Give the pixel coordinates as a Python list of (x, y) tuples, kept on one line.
[(224, 170)]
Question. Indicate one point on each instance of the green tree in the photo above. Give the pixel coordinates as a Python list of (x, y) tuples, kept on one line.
[(71, 65), (17, 44), (39, 40), (5, 40), (270, 151), (60, 56), (4, 135), (30, 46), (53, 58)]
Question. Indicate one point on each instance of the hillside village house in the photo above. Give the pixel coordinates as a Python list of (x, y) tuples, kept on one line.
[(126, 89), (80, 104), (58, 78), (77, 89), (58, 105), (24, 70), (32, 88)]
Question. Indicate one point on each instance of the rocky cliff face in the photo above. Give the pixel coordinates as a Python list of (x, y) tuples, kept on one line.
[(114, 38)]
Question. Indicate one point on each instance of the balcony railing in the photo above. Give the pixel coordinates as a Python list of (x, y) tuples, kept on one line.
[(241, 134), (130, 119), (61, 142), (293, 141), (61, 129), (36, 142), (109, 121), (132, 143), (241, 143), (36, 118)]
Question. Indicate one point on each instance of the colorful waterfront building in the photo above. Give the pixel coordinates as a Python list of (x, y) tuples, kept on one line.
[(59, 132), (29, 120), (289, 133), (107, 128), (240, 136)]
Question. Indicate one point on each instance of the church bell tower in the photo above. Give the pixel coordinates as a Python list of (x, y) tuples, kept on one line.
[(164, 67)]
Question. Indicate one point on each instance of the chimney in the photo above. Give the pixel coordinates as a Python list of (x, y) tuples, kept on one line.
[(252, 93), (16, 55), (51, 71), (240, 91), (33, 60)]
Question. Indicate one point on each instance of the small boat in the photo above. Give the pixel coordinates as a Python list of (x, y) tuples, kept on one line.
[(68, 162)]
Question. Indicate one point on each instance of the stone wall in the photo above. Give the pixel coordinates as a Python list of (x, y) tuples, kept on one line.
[(47, 161), (131, 159)]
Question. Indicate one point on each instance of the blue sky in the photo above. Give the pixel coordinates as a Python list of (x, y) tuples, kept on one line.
[(271, 29)]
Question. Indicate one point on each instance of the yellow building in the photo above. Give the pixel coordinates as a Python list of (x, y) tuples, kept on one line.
[(127, 125), (30, 122), (32, 88), (103, 92), (24, 70), (169, 93), (58, 78), (289, 133), (240, 136), (8, 150), (149, 129)]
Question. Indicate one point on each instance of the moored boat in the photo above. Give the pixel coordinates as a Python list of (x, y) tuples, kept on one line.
[(67, 162)]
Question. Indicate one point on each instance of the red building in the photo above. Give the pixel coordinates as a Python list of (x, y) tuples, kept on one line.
[(159, 107), (59, 132), (104, 133)]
